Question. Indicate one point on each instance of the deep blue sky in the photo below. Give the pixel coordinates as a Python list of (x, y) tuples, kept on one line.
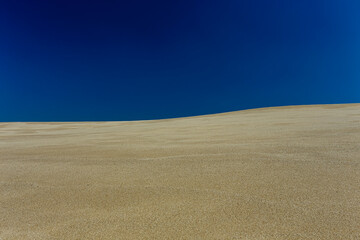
[(128, 60)]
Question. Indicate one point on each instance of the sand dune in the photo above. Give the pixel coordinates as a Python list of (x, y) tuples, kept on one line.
[(272, 173)]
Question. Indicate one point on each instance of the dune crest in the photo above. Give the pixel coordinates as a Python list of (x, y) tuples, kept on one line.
[(271, 173)]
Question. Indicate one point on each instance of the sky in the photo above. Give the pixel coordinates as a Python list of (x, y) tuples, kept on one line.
[(136, 60)]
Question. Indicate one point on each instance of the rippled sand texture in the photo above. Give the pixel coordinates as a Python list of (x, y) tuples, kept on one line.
[(272, 173)]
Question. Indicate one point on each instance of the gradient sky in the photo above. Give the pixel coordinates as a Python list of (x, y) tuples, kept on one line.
[(128, 60)]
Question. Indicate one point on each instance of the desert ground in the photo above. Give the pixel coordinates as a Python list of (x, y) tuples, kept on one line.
[(271, 173)]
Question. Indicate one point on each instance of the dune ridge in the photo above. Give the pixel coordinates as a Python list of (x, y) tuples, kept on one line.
[(270, 173)]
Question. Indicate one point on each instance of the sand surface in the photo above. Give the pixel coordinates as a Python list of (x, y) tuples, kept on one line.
[(272, 173)]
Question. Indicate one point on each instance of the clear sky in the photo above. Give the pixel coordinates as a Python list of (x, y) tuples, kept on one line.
[(129, 60)]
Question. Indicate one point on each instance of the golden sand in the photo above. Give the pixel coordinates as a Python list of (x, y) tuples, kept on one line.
[(272, 173)]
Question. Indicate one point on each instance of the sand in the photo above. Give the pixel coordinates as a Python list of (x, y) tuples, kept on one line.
[(271, 173)]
